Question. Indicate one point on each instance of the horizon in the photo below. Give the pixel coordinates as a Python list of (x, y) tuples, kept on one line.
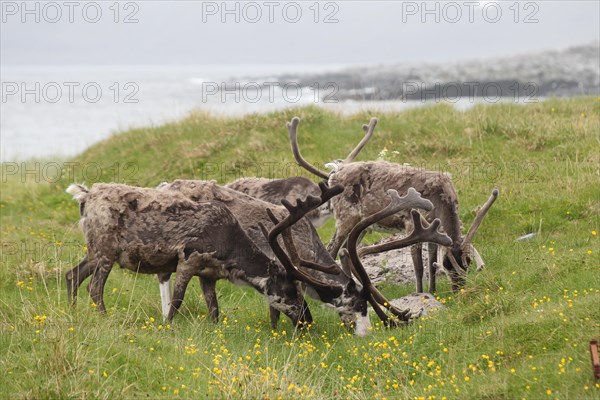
[(316, 66)]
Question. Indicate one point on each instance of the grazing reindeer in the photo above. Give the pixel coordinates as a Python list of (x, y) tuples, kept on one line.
[(154, 231), (273, 190), (251, 212), (365, 185), (350, 258)]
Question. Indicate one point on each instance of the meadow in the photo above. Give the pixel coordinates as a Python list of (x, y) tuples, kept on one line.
[(518, 330)]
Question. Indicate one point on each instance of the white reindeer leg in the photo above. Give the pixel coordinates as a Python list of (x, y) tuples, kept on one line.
[(166, 293)]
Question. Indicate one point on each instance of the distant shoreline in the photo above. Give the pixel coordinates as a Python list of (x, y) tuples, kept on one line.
[(574, 71)]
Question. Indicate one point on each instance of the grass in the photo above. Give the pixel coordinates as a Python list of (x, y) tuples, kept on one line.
[(519, 329)]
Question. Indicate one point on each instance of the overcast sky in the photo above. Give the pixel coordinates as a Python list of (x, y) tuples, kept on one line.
[(280, 32)]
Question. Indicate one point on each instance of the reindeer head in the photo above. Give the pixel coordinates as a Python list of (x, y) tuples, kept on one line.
[(457, 258), (351, 304), (343, 295)]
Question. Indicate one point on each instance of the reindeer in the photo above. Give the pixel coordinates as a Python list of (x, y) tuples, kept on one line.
[(365, 185), (273, 190), (153, 231), (350, 258)]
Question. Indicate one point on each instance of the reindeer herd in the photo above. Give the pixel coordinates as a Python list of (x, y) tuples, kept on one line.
[(261, 233)]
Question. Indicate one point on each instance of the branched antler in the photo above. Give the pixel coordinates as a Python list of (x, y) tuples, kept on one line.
[(467, 244), (293, 127), (479, 219), (293, 252), (411, 200), (422, 232), (296, 212)]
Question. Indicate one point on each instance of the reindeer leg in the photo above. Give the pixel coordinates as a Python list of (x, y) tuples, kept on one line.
[(96, 285), (182, 278), (417, 257), (164, 282), (76, 276), (306, 316), (292, 305), (432, 250), (335, 244), (210, 296), (274, 316), (340, 235)]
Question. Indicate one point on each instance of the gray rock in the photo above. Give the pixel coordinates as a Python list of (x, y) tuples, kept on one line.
[(396, 267), (419, 304)]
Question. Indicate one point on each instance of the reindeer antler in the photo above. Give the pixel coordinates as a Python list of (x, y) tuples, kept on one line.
[(422, 232), (479, 219), (326, 194), (369, 129), (293, 253), (419, 234), (412, 199), (281, 227), (292, 127), (467, 243)]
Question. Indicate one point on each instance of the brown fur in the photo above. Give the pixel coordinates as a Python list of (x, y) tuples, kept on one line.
[(365, 185), (154, 231), (250, 211), (274, 190)]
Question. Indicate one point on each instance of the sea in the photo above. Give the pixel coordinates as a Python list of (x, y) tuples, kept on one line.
[(56, 112)]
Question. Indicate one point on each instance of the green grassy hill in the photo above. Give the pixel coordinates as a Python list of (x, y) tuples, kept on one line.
[(519, 329)]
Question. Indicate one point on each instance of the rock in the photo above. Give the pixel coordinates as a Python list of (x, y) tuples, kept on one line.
[(420, 304), (396, 267)]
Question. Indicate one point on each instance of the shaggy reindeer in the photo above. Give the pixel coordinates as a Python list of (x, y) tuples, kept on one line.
[(350, 258), (154, 231), (273, 190), (313, 257), (365, 185)]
